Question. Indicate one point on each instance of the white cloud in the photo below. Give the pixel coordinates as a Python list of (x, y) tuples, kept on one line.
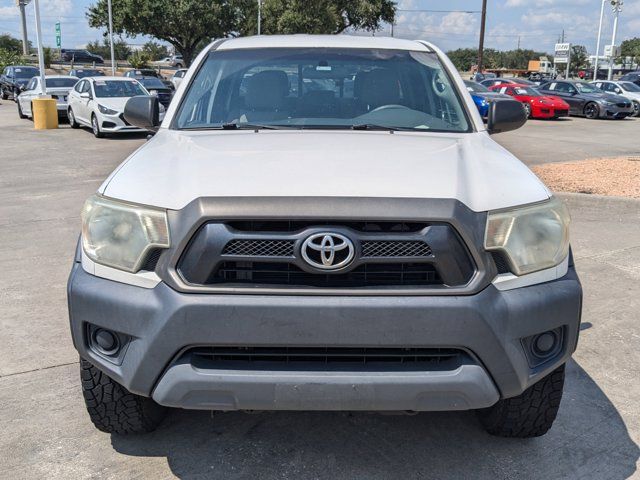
[(9, 12)]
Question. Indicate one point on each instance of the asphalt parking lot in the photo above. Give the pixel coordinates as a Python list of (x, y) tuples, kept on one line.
[(46, 433)]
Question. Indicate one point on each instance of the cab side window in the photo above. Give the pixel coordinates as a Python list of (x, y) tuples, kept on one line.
[(79, 85), (32, 84)]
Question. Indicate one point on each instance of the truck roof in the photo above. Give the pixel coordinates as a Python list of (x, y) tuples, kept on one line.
[(323, 41)]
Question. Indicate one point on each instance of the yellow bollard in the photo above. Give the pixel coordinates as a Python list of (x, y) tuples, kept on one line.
[(45, 113)]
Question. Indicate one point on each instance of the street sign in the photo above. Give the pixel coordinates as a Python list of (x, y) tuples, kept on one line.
[(612, 51), (562, 53), (58, 35)]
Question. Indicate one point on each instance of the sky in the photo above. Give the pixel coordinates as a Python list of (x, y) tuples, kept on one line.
[(535, 24)]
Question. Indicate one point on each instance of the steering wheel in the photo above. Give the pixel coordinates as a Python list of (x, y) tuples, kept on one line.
[(439, 87), (389, 107)]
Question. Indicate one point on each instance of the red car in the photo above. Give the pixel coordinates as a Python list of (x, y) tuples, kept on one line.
[(536, 104)]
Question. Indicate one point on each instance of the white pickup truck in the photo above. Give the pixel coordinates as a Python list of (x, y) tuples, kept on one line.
[(324, 223)]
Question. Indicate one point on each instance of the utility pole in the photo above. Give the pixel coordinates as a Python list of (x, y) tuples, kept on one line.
[(483, 21), (260, 17), (23, 17), (616, 6), (595, 63), (518, 42), (113, 57)]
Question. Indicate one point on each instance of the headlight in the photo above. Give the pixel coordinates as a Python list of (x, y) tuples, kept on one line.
[(532, 238), (106, 111), (119, 234)]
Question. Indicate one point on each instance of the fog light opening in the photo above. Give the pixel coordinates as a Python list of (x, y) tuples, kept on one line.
[(544, 344), (106, 342)]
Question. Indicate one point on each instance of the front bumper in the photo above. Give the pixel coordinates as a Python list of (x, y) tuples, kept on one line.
[(161, 323), (615, 112), (116, 124)]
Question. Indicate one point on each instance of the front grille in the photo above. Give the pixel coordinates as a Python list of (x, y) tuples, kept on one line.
[(624, 105), (325, 358), (288, 274), (383, 248), (259, 248), (273, 253)]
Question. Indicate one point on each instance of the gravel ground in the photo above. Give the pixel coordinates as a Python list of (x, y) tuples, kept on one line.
[(618, 177)]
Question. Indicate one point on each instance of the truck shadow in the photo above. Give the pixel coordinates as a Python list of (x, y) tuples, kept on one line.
[(588, 441)]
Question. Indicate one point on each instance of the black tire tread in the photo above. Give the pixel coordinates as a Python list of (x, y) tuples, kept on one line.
[(112, 408), (530, 414)]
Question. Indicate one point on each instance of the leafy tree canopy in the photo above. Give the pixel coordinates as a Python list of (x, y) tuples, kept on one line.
[(186, 24), (318, 16), (182, 23), (631, 48), (155, 51), (465, 58), (10, 44), (120, 48)]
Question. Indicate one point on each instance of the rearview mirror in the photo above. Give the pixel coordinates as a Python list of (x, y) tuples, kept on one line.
[(505, 115), (143, 111)]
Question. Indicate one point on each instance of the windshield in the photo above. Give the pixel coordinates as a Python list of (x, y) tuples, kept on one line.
[(526, 91), (587, 88), (61, 82), (322, 88), (629, 87), (27, 72), (476, 87), (152, 82), (118, 88)]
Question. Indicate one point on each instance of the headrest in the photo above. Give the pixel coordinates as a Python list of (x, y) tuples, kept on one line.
[(380, 87), (266, 90)]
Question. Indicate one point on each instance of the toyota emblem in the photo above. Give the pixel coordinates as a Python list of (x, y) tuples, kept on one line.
[(328, 251)]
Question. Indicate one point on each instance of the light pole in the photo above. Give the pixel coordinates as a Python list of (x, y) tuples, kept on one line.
[(113, 58), (483, 20), (616, 6), (595, 64), (259, 17), (23, 17), (43, 82)]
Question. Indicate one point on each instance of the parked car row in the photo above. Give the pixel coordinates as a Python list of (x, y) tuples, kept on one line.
[(561, 98), (91, 99)]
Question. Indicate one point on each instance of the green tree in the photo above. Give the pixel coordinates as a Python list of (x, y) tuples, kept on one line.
[(120, 48), (182, 23), (579, 58), (465, 58), (8, 57), (155, 51), (631, 48), (10, 44), (139, 59), (318, 16)]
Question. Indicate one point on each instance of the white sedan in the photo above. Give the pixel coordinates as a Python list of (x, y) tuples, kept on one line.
[(626, 89), (178, 76), (98, 102), (57, 86)]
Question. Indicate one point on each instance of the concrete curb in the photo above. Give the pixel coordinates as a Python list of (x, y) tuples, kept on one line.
[(598, 199)]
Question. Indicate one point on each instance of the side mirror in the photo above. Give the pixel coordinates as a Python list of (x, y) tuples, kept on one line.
[(85, 95), (143, 111), (617, 90), (505, 115)]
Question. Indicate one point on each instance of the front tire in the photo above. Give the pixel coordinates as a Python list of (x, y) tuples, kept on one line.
[(112, 408), (72, 119), (636, 108), (527, 110), (20, 112), (5, 95), (530, 414), (96, 127), (591, 111)]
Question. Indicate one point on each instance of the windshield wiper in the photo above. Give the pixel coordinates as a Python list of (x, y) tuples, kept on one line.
[(373, 126), (252, 126)]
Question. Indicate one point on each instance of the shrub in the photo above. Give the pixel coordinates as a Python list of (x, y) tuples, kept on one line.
[(139, 59)]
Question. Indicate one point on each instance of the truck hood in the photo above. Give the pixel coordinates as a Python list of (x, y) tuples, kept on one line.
[(177, 167)]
